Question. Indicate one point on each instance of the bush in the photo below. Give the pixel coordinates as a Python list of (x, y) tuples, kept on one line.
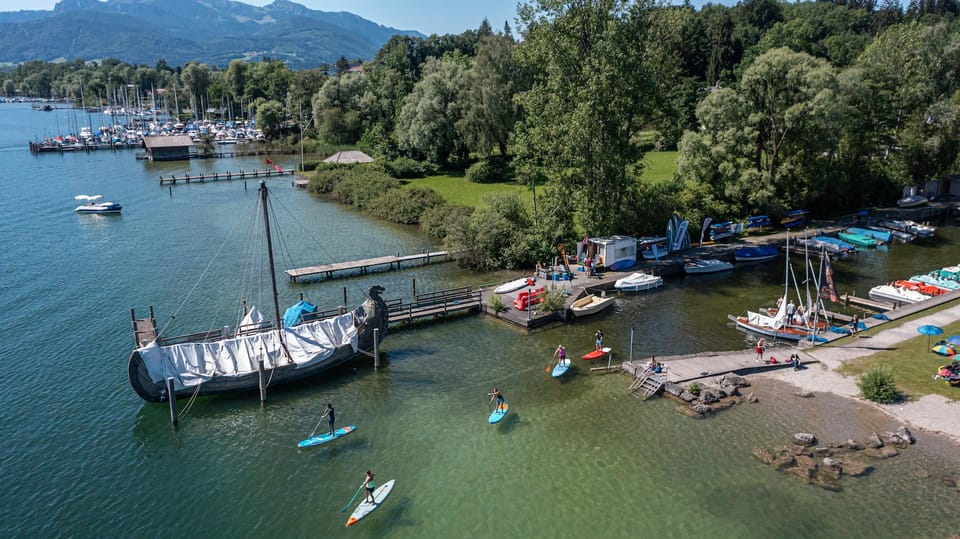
[(492, 169), (327, 176), (878, 385), (435, 222), (496, 304), (554, 302), (309, 165), (404, 168), (360, 186), (694, 388), (405, 206)]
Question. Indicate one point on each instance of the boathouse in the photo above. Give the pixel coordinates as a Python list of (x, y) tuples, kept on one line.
[(168, 148)]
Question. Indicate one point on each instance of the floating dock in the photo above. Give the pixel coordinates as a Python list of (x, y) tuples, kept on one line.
[(364, 266), (225, 176)]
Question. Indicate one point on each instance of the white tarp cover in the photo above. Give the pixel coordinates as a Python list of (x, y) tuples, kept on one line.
[(194, 363), (773, 322)]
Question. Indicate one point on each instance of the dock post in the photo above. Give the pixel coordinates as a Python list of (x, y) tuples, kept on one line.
[(172, 399), (414, 288), (631, 344), (263, 389), (376, 348), (345, 295)]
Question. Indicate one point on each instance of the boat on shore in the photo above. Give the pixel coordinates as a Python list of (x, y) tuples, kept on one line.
[(514, 285), (903, 237), (706, 265), (912, 201), (895, 294), (590, 304), (638, 281), (911, 227), (224, 361), (92, 205), (881, 236), (794, 218), (859, 240), (757, 224), (760, 253)]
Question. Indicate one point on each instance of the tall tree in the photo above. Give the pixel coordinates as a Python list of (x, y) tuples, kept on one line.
[(488, 108), (427, 123)]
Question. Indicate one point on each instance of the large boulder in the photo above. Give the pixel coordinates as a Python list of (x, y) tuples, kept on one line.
[(896, 440), (709, 395), (905, 433), (686, 396), (804, 439), (701, 408), (855, 468), (874, 441), (673, 388), (734, 380)]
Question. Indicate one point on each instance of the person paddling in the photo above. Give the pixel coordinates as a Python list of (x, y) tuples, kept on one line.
[(496, 395), (331, 419), (561, 354), (369, 485)]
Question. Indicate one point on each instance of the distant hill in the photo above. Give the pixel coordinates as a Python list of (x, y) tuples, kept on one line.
[(178, 31)]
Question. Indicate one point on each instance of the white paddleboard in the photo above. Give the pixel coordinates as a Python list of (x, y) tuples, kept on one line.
[(365, 508)]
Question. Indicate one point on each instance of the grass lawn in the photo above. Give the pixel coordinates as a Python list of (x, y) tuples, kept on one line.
[(912, 364), (659, 167)]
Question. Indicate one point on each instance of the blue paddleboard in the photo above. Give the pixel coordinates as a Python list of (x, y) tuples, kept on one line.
[(559, 370), (497, 415), (325, 437)]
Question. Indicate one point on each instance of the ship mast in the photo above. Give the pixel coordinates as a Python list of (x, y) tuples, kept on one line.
[(273, 274)]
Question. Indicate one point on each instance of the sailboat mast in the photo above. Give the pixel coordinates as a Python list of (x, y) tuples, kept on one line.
[(273, 274)]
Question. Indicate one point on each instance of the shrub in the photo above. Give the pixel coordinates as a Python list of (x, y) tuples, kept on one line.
[(492, 169), (327, 176), (694, 388), (878, 385), (435, 222), (309, 165), (404, 167), (496, 304), (554, 301), (405, 206), (359, 187)]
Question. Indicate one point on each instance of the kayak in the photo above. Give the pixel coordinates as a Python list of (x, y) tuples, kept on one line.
[(497, 415), (596, 354), (325, 437), (365, 508), (559, 370)]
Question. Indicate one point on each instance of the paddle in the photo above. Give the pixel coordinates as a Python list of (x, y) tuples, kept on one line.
[(318, 426), (355, 494)]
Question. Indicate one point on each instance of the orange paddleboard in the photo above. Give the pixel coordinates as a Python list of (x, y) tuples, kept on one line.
[(596, 354)]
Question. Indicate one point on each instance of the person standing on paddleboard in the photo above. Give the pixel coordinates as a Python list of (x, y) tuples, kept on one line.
[(561, 354), (369, 485), (498, 396), (599, 339), (331, 419)]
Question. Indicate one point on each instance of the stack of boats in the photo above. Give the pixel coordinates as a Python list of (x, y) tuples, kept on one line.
[(919, 287)]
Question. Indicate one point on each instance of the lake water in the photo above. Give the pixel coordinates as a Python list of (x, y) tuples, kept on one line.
[(84, 456)]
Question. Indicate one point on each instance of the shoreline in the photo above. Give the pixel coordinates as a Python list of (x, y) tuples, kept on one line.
[(932, 413)]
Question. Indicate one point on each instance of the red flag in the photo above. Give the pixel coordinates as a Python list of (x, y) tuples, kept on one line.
[(275, 167), (269, 162)]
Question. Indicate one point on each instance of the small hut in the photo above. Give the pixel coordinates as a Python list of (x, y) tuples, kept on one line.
[(352, 156), (168, 148)]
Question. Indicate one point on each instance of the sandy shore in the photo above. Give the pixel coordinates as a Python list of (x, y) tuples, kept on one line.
[(931, 412)]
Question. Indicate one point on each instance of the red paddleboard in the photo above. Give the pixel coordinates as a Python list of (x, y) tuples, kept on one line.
[(596, 354)]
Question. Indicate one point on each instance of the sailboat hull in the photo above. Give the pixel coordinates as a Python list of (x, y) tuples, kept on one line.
[(152, 388)]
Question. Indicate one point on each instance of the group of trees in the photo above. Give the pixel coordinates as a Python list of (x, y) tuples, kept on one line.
[(825, 105)]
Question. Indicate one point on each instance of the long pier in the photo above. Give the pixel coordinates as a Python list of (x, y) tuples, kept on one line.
[(364, 266), (225, 176)]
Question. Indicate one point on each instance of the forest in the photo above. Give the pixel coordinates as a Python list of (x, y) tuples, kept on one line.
[(770, 106)]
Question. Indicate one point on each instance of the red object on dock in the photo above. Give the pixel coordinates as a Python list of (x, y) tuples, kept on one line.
[(596, 354)]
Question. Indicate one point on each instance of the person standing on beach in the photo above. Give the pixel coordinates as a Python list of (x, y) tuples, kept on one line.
[(759, 349)]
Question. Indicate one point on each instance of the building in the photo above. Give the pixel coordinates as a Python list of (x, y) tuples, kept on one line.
[(168, 148)]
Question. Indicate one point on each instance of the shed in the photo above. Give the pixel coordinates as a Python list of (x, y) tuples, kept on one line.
[(352, 156), (615, 253), (168, 148)]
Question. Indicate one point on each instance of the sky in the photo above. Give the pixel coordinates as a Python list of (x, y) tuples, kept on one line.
[(425, 16)]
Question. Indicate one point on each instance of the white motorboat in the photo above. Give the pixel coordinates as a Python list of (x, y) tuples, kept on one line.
[(590, 304), (638, 281), (912, 201), (706, 265), (895, 294), (515, 285), (91, 205)]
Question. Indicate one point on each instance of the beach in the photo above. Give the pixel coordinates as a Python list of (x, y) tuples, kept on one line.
[(930, 412)]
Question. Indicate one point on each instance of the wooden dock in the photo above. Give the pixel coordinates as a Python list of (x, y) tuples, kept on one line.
[(225, 176), (435, 304), (879, 306), (364, 266)]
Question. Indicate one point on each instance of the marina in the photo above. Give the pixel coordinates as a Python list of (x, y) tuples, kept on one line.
[(422, 415)]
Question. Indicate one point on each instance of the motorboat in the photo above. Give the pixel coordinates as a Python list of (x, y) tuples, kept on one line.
[(857, 239), (882, 236), (912, 201), (937, 281), (924, 288), (760, 253), (706, 265), (908, 226), (898, 235), (590, 304), (896, 295), (638, 281), (92, 204)]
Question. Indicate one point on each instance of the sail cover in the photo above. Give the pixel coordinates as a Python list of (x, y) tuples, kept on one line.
[(294, 315), (193, 363)]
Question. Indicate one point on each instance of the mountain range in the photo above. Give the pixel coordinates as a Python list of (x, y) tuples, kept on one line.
[(178, 31)]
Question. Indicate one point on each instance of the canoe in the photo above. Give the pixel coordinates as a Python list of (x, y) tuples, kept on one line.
[(559, 370), (596, 354), (497, 414), (708, 265), (365, 508), (325, 437), (514, 285), (590, 304)]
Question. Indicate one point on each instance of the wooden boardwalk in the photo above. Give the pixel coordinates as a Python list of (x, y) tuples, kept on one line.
[(435, 304), (329, 271), (226, 176)]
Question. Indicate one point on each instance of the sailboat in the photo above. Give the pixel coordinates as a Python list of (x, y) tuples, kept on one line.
[(779, 325), (258, 352)]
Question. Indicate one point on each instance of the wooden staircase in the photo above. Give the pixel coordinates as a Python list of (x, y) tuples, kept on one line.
[(647, 384)]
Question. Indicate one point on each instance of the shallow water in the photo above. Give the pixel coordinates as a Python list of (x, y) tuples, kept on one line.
[(83, 456)]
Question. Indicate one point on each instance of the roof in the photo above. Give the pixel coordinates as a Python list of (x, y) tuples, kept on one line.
[(171, 141), (353, 156)]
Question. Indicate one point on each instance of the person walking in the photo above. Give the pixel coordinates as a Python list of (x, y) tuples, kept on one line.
[(759, 349), (331, 419), (855, 325)]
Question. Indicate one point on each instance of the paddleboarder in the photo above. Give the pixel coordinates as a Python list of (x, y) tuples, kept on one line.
[(369, 485), (561, 354), (498, 396), (599, 343), (331, 419)]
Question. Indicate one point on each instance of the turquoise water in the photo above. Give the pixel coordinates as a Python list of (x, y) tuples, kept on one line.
[(84, 456)]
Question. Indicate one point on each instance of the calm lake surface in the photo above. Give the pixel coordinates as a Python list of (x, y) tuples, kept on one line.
[(83, 456)]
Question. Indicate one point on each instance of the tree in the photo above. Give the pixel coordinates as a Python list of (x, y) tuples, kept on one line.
[(269, 117), (339, 113), (426, 127), (489, 112)]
